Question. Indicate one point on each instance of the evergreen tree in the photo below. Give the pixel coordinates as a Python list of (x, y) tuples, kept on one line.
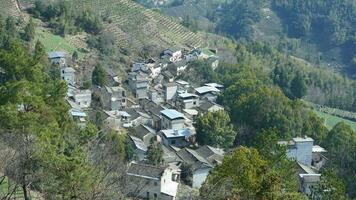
[(98, 76), (245, 175), (214, 129), (29, 33), (298, 86), (155, 154)]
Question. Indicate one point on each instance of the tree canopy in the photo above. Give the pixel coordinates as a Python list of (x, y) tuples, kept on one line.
[(214, 129), (244, 174)]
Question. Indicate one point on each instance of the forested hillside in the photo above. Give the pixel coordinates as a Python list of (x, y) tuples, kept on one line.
[(322, 32)]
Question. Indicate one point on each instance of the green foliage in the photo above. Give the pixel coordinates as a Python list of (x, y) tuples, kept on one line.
[(98, 76), (190, 23), (244, 174), (103, 42), (29, 33), (237, 17), (329, 187), (89, 22), (155, 154), (64, 19), (341, 145), (298, 86), (75, 56), (214, 129), (186, 173), (324, 87), (200, 72), (329, 23), (50, 149)]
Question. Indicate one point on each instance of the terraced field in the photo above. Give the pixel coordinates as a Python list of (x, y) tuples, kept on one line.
[(331, 120), (135, 26), (9, 8)]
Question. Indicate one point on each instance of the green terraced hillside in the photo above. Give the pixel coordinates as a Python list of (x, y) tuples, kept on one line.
[(331, 120), (135, 26)]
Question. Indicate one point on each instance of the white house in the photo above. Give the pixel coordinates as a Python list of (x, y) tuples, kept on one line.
[(170, 91), (68, 75), (78, 116), (172, 119), (82, 98), (178, 138), (187, 100), (202, 160), (308, 159), (207, 92), (151, 182), (139, 83), (113, 98)]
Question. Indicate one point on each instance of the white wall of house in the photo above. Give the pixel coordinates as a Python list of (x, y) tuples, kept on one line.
[(69, 78), (199, 176), (170, 92), (175, 124), (301, 152), (83, 99)]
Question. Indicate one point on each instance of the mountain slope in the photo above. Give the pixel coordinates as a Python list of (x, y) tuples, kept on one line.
[(135, 26), (9, 8)]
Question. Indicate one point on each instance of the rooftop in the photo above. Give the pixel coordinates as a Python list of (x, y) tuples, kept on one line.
[(303, 139), (138, 143), (318, 149), (69, 70), (206, 105), (206, 89), (77, 113), (187, 95), (141, 131), (181, 82), (114, 89), (145, 171), (172, 114), (176, 133), (56, 54), (215, 85)]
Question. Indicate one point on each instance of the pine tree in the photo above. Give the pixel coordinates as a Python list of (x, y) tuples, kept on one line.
[(29, 34)]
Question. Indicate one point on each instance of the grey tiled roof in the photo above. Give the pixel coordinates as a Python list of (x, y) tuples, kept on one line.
[(146, 171)]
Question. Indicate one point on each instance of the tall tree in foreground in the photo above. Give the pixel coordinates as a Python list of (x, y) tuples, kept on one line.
[(329, 187), (341, 145), (215, 129), (245, 175)]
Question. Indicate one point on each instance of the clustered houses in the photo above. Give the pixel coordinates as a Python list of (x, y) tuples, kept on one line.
[(161, 110), (79, 100)]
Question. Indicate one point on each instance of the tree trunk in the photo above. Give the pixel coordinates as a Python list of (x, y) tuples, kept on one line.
[(25, 194)]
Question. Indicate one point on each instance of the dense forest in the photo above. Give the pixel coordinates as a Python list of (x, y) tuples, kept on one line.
[(327, 23)]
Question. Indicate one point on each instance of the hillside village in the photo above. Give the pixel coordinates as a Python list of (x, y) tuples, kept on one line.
[(154, 106)]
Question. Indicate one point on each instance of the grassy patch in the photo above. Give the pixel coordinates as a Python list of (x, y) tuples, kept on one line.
[(55, 43), (331, 120)]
